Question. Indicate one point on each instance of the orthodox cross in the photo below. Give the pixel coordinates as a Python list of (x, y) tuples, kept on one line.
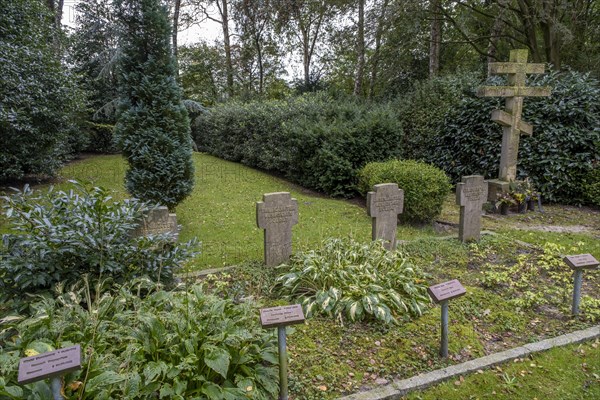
[(512, 124)]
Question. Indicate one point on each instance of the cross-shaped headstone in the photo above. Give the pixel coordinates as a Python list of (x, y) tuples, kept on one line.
[(276, 214), (471, 194), (516, 69), (383, 206)]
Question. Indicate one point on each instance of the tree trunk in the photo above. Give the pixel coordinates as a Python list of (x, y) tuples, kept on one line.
[(527, 19), (360, 49), (435, 43), (551, 44), (376, 51), (306, 58), (227, 43), (495, 33), (261, 72), (176, 10)]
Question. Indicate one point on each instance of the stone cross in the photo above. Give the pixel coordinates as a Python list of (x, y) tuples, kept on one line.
[(512, 124), (471, 194), (276, 214), (383, 206)]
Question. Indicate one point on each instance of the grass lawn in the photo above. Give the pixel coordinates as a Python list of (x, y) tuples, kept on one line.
[(221, 211), (510, 300), (564, 373)]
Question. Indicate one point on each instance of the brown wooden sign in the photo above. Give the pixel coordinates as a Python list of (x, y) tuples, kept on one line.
[(446, 291), (49, 365), (581, 261), (281, 316)]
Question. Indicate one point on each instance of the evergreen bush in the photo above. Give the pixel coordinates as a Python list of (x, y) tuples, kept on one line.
[(592, 187), (39, 102), (559, 155), (422, 111), (313, 140), (60, 236), (425, 186), (153, 126)]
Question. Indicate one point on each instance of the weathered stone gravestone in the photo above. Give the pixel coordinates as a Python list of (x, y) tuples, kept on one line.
[(276, 214), (471, 194), (157, 221), (383, 206), (510, 119)]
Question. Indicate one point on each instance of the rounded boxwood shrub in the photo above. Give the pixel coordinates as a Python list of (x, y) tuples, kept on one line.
[(425, 186)]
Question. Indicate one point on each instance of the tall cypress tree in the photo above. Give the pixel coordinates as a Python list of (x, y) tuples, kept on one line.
[(153, 128)]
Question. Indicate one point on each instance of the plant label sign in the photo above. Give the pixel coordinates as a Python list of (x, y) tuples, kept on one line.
[(49, 365), (281, 316), (581, 261), (446, 291)]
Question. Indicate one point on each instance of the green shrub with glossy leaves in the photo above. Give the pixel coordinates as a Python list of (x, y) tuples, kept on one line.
[(351, 281), (425, 186), (559, 155), (182, 345), (314, 140), (61, 235), (592, 187)]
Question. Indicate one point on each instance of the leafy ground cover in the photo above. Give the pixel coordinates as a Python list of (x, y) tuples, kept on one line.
[(517, 291)]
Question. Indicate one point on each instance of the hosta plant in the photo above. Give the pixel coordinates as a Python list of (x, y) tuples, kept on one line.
[(353, 281), (181, 344)]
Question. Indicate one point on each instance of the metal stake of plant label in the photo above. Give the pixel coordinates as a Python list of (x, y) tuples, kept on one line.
[(442, 293), (444, 340), (280, 317), (578, 263), (283, 363)]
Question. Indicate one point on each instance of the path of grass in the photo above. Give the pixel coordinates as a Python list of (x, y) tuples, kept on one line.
[(221, 210), (564, 373)]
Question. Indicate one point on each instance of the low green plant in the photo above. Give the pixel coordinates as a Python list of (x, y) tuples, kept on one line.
[(352, 281), (425, 186), (181, 344), (61, 235), (537, 281)]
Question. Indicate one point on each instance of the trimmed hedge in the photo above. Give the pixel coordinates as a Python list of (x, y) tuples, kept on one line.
[(562, 151), (313, 140), (100, 138), (425, 186)]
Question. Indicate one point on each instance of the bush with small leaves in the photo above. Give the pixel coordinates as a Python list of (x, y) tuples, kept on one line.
[(353, 281), (425, 186)]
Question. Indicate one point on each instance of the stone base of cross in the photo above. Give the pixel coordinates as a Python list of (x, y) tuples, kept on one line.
[(510, 117)]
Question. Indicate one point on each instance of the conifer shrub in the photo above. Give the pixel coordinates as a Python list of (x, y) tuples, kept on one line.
[(152, 127), (425, 186)]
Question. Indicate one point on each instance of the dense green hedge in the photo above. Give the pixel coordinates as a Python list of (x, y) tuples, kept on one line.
[(558, 157), (425, 186), (423, 109), (313, 140)]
